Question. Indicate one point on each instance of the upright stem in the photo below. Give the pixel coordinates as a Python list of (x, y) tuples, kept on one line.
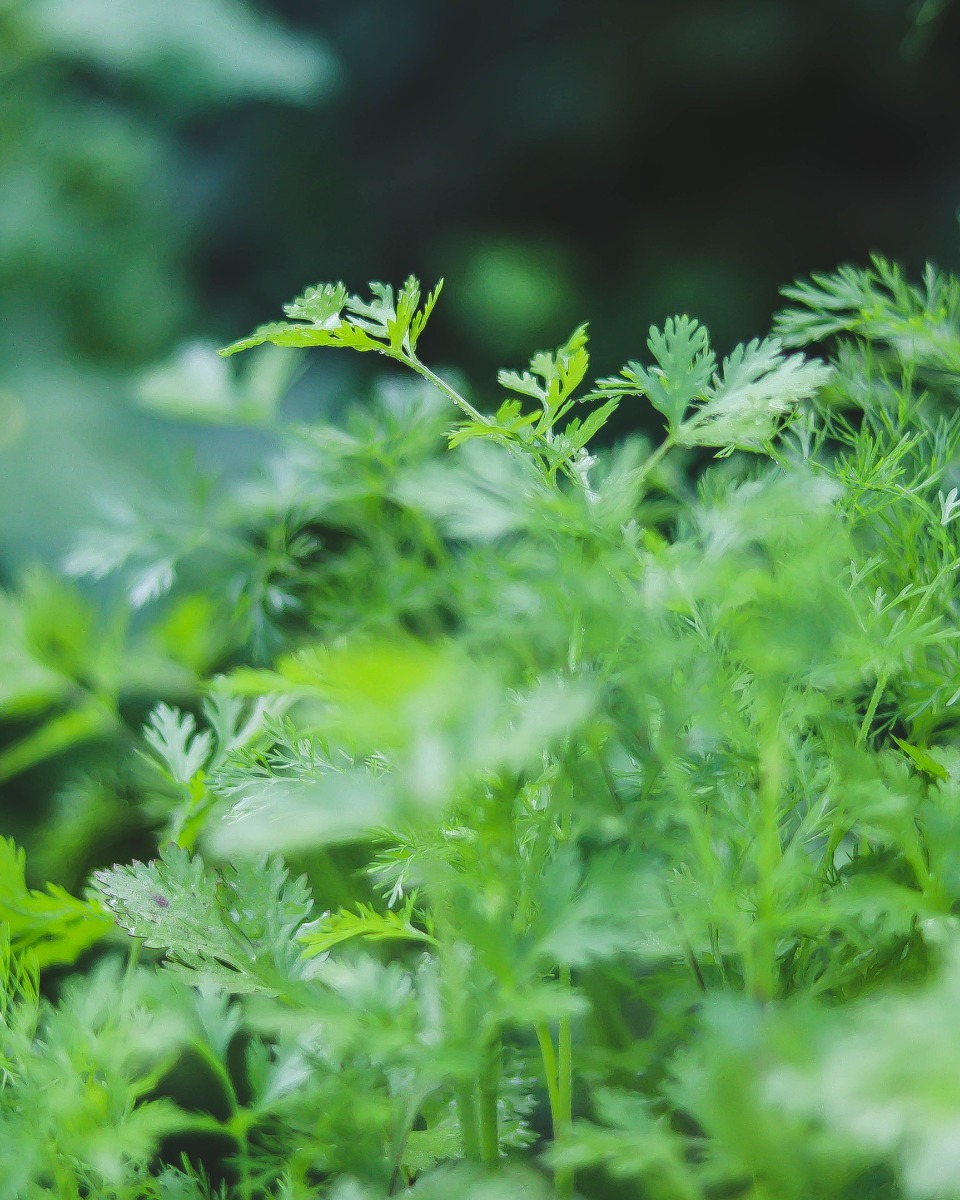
[(871, 708), (469, 1118), (557, 1072), (489, 1094), (549, 1057), (563, 1118), (656, 457), (476, 1104), (770, 854), (453, 976), (561, 1096)]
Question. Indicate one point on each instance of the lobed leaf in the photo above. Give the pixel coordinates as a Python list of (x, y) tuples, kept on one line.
[(238, 928), (325, 315), (747, 400), (685, 364), (366, 923)]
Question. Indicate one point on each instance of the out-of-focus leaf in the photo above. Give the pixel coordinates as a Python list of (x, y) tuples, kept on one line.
[(209, 49), (53, 926)]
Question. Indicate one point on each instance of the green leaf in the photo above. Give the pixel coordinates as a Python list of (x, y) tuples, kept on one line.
[(616, 906), (554, 375), (884, 1078), (921, 323), (579, 434), (206, 50), (510, 424), (197, 385), (629, 1142), (685, 364), (922, 760), (53, 926), (756, 388), (365, 922), (62, 732), (321, 306), (483, 496), (173, 736), (238, 928), (326, 316), (30, 680), (438, 1142), (295, 815), (469, 1182)]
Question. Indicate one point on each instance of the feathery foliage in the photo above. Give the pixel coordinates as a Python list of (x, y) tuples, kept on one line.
[(621, 798)]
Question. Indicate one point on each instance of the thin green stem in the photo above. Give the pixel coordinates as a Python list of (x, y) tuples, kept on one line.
[(450, 392), (656, 457), (770, 854), (549, 1058), (563, 1118), (489, 1086), (402, 1135), (871, 708), (133, 961), (468, 1115), (563, 1114), (239, 1122), (475, 1131), (557, 1073), (688, 952), (221, 1073)]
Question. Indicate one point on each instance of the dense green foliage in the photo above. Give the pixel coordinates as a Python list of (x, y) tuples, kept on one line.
[(549, 824)]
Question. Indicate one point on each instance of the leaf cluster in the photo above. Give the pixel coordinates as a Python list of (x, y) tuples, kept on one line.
[(585, 826)]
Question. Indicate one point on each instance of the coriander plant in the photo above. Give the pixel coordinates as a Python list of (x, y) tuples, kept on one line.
[(568, 820)]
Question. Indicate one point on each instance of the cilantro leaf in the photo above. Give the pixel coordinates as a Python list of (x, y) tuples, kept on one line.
[(749, 397), (325, 315), (238, 927), (173, 735), (365, 922), (685, 364)]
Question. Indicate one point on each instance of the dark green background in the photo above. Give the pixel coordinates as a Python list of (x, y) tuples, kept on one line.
[(556, 161)]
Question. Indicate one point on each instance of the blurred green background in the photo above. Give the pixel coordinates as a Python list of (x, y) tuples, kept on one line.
[(174, 170)]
